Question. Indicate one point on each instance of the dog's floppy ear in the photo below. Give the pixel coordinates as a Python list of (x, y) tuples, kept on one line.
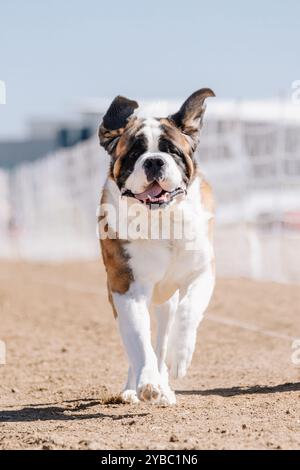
[(189, 117), (115, 121)]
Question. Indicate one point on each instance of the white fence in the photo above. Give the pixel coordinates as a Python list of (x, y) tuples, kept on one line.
[(247, 250), (53, 205)]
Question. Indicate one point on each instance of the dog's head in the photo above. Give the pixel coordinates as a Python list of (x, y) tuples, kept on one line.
[(152, 159)]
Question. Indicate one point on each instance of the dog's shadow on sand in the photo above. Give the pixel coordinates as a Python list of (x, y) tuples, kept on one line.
[(68, 411), (237, 391)]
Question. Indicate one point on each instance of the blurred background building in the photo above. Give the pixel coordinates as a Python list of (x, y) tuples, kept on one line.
[(50, 184)]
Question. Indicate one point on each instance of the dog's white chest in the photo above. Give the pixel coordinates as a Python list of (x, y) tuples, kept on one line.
[(171, 264)]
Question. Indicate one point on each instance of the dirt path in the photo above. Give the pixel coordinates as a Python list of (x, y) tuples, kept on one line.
[(65, 363)]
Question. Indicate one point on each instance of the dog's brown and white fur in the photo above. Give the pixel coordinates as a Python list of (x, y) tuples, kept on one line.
[(153, 166)]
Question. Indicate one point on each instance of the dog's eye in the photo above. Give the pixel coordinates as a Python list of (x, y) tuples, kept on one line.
[(169, 147), (137, 148), (177, 152), (173, 150)]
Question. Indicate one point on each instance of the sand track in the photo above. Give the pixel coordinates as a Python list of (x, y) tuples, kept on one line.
[(65, 363)]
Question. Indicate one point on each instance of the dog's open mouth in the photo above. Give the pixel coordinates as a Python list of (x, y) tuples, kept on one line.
[(155, 195)]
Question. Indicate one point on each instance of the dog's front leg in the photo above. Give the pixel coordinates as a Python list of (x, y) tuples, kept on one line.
[(134, 324), (129, 392)]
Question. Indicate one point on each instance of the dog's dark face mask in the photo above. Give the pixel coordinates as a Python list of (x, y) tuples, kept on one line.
[(152, 160)]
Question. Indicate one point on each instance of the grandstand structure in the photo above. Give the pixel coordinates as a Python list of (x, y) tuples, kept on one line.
[(250, 151)]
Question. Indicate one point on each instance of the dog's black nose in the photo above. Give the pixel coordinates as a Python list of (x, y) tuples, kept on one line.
[(153, 167)]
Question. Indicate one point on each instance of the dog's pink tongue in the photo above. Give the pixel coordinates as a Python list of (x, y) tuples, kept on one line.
[(152, 191)]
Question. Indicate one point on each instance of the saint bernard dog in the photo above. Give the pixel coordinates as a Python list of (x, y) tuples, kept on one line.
[(171, 270)]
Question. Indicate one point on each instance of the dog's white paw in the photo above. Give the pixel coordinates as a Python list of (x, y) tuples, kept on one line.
[(130, 397), (148, 388), (149, 392), (167, 397)]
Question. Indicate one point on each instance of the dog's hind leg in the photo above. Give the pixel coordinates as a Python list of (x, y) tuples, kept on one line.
[(165, 316), (192, 305)]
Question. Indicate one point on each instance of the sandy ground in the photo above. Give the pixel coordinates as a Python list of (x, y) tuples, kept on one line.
[(65, 364)]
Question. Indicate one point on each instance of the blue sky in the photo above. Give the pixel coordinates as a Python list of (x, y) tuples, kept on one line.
[(54, 52)]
